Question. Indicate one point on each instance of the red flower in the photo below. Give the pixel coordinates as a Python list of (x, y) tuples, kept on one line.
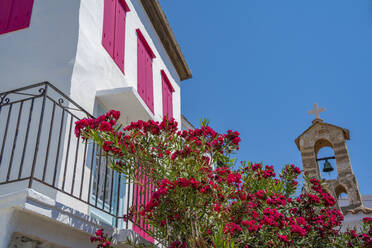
[(256, 167), (232, 228), (283, 238), (299, 230), (107, 146), (107, 243), (367, 220), (105, 127), (261, 194), (99, 232)]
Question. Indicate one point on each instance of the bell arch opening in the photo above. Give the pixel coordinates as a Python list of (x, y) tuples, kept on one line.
[(343, 199), (325, 158), (319, 144)]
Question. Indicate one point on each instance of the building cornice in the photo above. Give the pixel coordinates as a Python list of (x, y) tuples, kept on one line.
[(165, 33)]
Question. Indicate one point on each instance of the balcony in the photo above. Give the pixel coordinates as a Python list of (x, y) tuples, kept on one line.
[(130, 103), (42, 159)]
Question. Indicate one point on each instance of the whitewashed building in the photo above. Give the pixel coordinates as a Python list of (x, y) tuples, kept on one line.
[(62, 60)]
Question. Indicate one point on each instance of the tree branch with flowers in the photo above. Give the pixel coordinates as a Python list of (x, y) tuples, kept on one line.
[(203, 199)]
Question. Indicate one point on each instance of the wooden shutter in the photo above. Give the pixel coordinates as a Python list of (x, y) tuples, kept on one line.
[(149, 82), (144, 71), (113, 34), (119, 44), (137, 205), (140, 70), (108, 32), (170, 103), (5, 9), (165, 96), (142, 194), (167, 90), (15, 14)]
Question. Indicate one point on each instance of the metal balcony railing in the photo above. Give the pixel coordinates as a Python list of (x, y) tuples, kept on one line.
[(38, 149)]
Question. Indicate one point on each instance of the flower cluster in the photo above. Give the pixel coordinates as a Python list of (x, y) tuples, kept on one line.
[(203, 199), (101, 238), (104, 123), (263, 211)]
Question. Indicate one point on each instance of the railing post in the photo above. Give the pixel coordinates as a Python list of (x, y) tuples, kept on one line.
[(118, 201), (43, 91)]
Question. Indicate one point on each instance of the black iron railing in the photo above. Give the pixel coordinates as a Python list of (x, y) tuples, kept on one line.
[(38, 148)]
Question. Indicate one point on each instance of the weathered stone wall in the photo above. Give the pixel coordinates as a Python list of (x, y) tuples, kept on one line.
[(321, 135)]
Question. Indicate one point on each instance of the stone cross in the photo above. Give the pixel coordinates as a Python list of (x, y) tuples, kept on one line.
[(316, 111)]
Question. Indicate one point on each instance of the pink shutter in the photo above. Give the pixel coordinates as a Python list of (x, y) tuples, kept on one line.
[(108, 32), (148, 193), (167, 95), (5, 9), (141, 200), (144, 74), (119, 47), (164, 97), (170, 103), (136, 203), (140, 70), (141, 197), (150, 85), (20, 15)]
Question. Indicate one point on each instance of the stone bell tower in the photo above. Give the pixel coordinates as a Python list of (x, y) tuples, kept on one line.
[(319, 135)]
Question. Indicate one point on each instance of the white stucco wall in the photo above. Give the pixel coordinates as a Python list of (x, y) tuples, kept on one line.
[(95, 70), (43, 52), (63, 46)]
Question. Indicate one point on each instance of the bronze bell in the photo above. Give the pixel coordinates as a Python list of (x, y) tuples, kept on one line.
[(327, 167)]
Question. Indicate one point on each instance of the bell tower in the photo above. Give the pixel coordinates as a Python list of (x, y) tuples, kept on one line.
[(319, 135)]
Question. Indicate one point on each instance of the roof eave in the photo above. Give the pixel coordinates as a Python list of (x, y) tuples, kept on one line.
[(165, 33)]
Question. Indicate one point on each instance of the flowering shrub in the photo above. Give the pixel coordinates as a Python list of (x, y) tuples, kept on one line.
[(201, 201), (102, 239)]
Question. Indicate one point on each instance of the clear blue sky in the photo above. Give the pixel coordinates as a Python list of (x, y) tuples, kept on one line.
[(259, 66)]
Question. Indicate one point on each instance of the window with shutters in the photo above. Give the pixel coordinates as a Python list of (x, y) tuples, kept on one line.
[(144, 71), (167, 91), (113, 34), (15, 15)]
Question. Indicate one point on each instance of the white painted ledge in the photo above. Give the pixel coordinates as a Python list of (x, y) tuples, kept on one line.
[(41, 207), (34, 202), (128, 102)]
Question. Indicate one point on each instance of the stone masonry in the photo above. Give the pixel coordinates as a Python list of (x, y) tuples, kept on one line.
[(319, 135)]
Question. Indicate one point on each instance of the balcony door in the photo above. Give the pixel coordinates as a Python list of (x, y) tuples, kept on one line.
[(108, 188)]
